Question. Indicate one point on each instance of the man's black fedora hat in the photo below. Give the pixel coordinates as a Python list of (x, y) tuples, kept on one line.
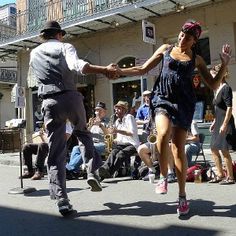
[(53, 25), (101, 105)]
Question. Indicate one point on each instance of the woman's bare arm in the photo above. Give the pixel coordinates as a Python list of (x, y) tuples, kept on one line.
[(213, 83), (153, 61)]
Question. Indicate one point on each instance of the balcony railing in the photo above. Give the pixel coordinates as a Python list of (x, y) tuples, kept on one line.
[(8, 76), (32, 19)]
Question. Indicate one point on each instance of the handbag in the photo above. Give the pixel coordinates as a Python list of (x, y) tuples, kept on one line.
[(231, 139)]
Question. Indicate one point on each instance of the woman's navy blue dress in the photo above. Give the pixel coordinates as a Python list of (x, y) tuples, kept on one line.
[(173, 91)]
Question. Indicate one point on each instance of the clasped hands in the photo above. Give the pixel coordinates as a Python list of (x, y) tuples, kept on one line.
[(113, 71)]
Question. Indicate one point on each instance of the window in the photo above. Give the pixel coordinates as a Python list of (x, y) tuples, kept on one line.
[(127, 62), (129, 90), (13, 10), (203, 49)]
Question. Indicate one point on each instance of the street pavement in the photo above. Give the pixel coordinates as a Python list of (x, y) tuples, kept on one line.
[(124, 207)]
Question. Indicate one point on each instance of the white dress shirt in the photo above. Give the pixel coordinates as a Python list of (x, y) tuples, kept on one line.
[(128, 123)]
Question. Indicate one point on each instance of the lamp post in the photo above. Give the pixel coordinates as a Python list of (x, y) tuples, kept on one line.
[(20, 104)]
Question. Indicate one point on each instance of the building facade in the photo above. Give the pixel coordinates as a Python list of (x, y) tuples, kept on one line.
[(111, 31), (8, 74)]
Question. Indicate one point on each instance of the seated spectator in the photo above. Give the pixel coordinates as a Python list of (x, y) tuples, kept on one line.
[(97, 126), (38, 147), (125, 143), (143, 115), (136, 101), (149, 154), (192, 146), (73, 167)]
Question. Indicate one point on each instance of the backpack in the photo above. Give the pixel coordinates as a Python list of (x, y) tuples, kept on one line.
[(191, 170)]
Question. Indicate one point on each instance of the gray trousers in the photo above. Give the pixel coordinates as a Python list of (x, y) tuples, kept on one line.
[(57, 109)]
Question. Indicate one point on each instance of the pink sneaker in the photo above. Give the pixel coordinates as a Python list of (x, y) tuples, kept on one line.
[(183, 207), (161, 187)]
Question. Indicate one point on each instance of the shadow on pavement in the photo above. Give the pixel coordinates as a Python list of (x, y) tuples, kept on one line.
[(208, 208), (147, 208), (21, 223), (45, 192)]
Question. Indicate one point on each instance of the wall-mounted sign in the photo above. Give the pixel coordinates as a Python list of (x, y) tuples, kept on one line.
[(149, 34), (20, 97)]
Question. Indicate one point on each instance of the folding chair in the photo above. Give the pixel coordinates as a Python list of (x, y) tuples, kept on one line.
[(201, 151)]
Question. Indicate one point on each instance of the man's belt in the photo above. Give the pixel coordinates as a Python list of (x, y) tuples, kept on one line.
[(52, 95)]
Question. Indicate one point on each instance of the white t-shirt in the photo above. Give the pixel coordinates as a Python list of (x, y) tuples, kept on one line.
[(194, 128), (128, 124), (69, 128)]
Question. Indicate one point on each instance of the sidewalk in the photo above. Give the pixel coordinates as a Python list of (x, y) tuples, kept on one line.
[(13, 159)]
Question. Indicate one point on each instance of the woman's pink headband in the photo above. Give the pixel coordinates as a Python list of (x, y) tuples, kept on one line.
[(193, 28)]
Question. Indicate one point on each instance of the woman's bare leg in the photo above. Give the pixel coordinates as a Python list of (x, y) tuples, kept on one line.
[(228, 163), (163, 126), (218, 162), (178, 143)]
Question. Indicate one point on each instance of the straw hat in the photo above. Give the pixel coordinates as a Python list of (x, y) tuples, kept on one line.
[(146, 92), (122, 104)]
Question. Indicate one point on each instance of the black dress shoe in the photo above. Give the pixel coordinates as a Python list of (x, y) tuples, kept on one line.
[(27, 175), (103, 173)]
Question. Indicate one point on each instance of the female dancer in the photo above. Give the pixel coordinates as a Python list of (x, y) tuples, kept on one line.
[(173, 99)]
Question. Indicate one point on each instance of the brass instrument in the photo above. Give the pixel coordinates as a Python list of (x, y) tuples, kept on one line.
[(152, 140), (90, 122), (109, 138), (108, 141)]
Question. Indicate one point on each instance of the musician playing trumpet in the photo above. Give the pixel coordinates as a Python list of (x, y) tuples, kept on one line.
[(98, 128)]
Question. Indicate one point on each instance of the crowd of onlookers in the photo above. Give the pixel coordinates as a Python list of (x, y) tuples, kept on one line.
[(125, 143)]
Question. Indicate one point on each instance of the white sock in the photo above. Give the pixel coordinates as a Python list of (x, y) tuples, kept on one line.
[(152, 169)]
